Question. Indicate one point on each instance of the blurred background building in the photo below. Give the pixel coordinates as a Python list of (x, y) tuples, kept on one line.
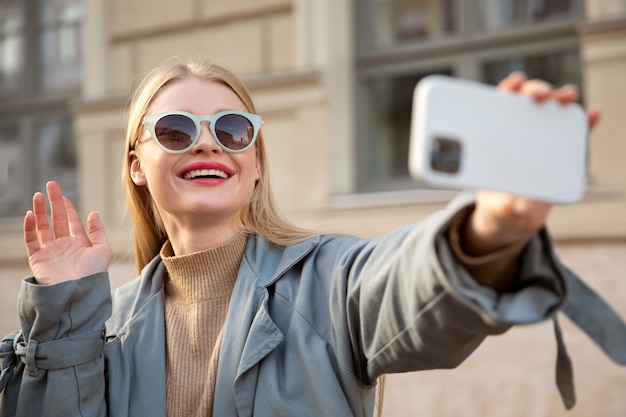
[(333, 80)]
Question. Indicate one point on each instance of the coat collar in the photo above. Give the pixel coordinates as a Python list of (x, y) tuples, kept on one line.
[(266, 260), (269, 261)]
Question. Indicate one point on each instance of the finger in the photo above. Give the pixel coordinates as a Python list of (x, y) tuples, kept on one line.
[(513, 82), (31, 240), (57, 210), (523, 206), (42, 225), (593, 116), (74, 223), (531, 214), (96, 229), (538, 89), (566, 94)]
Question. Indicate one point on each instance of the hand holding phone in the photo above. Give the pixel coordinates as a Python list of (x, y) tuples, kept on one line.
[(467, 135)]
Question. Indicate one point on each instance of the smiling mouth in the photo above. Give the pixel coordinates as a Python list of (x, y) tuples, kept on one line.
[(205, 173)]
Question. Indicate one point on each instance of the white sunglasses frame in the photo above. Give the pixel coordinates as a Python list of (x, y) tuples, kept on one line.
[(149, 123)]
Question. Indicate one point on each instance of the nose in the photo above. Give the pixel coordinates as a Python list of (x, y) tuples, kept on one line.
[(206, 142)]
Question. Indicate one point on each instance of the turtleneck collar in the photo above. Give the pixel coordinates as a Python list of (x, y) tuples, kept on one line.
[(203, 275)]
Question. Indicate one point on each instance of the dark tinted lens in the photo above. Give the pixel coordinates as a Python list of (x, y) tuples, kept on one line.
[(175, 131), (234, 131)]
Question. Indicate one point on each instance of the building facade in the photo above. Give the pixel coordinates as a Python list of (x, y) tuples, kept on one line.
[(333, 80)]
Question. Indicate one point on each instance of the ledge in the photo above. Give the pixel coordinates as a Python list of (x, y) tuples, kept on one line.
[(119, 101), (463, 43), (597, 26), (17, 108), (389, 199), (115, 101), (281, 78), (199, 22)]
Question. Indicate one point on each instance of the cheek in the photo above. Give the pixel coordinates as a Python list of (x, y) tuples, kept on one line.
[(249, 166), (155, 171)]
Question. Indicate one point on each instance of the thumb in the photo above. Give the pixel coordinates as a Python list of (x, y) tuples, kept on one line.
[(96, 229)]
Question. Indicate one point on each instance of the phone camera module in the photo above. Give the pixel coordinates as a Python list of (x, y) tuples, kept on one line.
[(446, 155)]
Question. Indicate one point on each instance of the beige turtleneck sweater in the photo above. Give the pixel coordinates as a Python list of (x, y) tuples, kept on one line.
[(197, 293)]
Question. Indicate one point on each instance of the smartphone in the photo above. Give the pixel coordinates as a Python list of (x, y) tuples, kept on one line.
[(469, 135)]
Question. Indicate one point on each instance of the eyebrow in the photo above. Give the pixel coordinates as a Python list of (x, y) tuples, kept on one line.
[(220, 109)]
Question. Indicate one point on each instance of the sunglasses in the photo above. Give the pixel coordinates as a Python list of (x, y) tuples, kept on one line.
[(178, 131)]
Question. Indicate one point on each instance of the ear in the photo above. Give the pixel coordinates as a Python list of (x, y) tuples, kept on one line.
[(258, 172), (136, 173)]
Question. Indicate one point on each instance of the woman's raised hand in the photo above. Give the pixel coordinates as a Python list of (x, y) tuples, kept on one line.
[(63, 251)]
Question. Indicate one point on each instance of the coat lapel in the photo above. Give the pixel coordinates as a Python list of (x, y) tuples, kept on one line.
[(136, 332), (250, 333)]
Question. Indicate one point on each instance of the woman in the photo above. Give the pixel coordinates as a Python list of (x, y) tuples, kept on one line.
[(238, 313)]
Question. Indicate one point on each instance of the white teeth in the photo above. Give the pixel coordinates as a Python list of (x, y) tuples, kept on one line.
[(205, 173)]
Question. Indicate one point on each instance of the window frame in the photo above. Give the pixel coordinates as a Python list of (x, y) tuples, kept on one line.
[(30, 105), (463, 55)]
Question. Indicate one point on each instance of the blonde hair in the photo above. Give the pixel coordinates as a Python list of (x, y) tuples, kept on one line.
[(261, 216)]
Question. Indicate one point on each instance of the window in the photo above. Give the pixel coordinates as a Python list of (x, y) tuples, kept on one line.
[(10, 155), (385, 130), (11, 46), (498, 14), (59, 41), (402, 21), (401, 41), (39, 75), (556, 68), (54, 152)]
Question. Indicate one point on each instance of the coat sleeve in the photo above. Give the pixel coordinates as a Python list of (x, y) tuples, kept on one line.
[(412, 306), (56, 364)]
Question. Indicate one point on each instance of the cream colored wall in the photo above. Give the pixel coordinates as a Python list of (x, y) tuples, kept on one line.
[(101, 149), (604, 9), (604, 54), (296, 56), (248, 37)]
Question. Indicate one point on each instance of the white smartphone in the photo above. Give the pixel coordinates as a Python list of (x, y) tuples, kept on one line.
[(468, 135)]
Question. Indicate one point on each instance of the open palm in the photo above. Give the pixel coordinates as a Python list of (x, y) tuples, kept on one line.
[(63, 251)]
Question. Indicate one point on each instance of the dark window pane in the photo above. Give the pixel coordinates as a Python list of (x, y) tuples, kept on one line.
[(556, 68), (55, 155), (402, 21), (11, 45), (11, 180), (384, 134), (499, 14), (59, 44)]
